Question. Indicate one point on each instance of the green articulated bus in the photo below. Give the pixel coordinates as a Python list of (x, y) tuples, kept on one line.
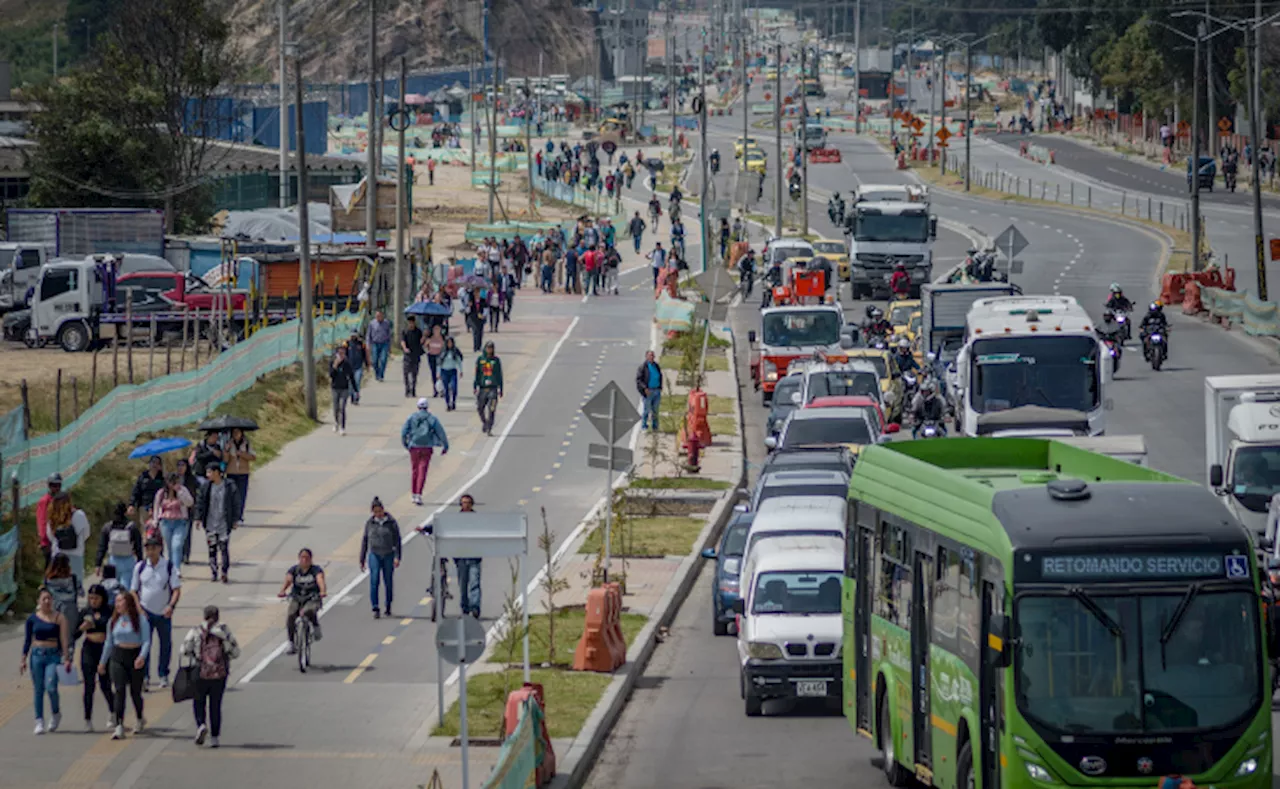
[(1023, 613)]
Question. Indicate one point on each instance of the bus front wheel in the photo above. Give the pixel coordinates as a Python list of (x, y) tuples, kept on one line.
[(964, 767), (894, 773)]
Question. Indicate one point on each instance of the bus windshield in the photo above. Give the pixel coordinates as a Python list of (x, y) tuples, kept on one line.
[(1131, 663), (1051, 372), (906, 228), (802, 328), (803, 593)]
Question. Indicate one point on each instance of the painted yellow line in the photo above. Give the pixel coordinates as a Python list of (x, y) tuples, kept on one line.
[(536, 488), (424, 601), (557, 464), (566, 443), (358, 670), (549, 476), (408, 620), (389, 639), (562, 453)]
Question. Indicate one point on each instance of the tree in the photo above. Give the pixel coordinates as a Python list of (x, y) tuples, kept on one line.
[(1134, 67), (133, 127)]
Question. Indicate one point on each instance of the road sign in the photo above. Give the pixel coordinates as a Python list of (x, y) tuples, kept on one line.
[(943, 135), (457, 647), (1275, 249), (598, 457), (602, 408), (1011, 242), (1224, 125), (917, 124)]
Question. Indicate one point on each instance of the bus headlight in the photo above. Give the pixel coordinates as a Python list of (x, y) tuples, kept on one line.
[(763, 650), (1247, 767), (1038, 773)]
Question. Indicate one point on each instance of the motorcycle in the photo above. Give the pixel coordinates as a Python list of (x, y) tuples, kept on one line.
[(932, 429), (1157, 350), (910, 385), (794, 191), (1114, 348), (674, 211), (1230, 179), (1126, 328)]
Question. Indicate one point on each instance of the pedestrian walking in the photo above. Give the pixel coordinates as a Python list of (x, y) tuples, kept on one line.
[(649, 384), (637, 228), (207, 452), (380, 552), (434, 347), (657, 259), (468, 569), (210, 647), (149, 482), (54, 487), (378, 336), (124, 660), (120, 542), (240, 456), (571, 271), (421, 434), (192, 484), (431, 172), (475, 318), (46, 644), (94, 619), (494, 297), (487, 386), (216, 509), (157, 582), (450, 373), (358, 358), (64, 586), (341, 383), (69, 528)]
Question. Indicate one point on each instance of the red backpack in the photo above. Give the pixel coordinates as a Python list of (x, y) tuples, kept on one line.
[(213, 659)]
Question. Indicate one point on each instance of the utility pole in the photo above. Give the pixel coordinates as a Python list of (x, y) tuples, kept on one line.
[(403, 211), (933, 98), (375, 156), (702, 149), (528, 138), (1253, 70), (742, 47), (55, 54), (804, 141), (1210, 105), (471, 112), (777, 140), (304, 257), (857, 69), (671, 77), (284, 107), (491, 111), (1196, 264), (968, 112)]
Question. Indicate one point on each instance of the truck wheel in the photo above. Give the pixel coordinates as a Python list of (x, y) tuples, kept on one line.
[(74, 336)]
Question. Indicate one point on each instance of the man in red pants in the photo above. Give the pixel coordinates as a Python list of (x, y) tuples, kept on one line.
[(421, 434)]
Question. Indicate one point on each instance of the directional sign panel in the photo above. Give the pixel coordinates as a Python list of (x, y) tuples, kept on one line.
[(598, 457), (1010, 243), (624, 414), (453, 651)]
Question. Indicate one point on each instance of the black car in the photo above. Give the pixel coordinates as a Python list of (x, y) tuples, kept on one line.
[(724, 581), (782, 404), (834, 459)]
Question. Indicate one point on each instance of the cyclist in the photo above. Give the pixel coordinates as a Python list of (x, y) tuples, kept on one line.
[(677, 236), (304, 584), (655, 211)]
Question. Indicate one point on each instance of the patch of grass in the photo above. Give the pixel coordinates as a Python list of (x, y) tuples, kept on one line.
[(665, 536), (716, 405), (569, 625), (720, 425), (693, 339), (714, 363), (276, 402), (678, 483), (570, 697)]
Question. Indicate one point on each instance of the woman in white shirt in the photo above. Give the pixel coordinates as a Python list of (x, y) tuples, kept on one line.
[(69, 532)]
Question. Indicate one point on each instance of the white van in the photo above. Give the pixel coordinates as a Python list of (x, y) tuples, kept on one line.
[(789, 622), (797, 516)]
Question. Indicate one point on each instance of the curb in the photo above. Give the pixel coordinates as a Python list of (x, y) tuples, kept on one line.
[(575, 764)]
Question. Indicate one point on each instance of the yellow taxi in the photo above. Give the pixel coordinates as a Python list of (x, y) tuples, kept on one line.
[(891, 387), (770, 74), (748, 143), (835, 251), (756, 161), (900, 313)]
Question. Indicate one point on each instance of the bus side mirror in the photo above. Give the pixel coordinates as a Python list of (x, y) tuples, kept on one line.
[(1215, 475), (998, 641), (751, 336)]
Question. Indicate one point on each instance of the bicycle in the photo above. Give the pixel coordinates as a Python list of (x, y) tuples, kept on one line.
[(302, 638), (437, 601)]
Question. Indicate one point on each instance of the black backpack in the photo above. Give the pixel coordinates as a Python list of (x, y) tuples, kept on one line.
[(66, 538)]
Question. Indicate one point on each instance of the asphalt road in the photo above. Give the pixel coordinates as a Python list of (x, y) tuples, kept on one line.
[(684, 727)]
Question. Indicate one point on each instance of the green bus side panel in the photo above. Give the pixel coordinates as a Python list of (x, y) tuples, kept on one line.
[(954, 691), (891, 659)]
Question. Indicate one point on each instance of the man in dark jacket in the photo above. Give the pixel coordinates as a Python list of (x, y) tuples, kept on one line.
[(207, 452), (487, 386), (649, 385), (411, 344), (217, 510), (150, 481), (380, 551)]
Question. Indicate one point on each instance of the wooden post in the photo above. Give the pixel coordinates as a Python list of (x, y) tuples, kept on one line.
[(93, 379), (128, 331), (168, 358), (115, 357), (151, 349), (26, 406), (17, 523), (195, 362), (57, 403), (182, 357), (75, 399)]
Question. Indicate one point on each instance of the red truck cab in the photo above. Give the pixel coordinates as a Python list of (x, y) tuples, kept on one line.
[(165, 290)]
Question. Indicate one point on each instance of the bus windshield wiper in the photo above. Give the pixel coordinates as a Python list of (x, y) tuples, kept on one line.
[(1178, 613), (1102, 616)]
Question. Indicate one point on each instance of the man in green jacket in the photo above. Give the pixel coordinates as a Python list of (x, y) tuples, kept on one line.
[(487, 386)]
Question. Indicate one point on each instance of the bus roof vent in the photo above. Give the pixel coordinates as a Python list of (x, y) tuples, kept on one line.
[(1068, 490)]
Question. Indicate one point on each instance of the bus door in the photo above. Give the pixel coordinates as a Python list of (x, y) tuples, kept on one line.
[(990, 686), (921, 629), (862, 629)]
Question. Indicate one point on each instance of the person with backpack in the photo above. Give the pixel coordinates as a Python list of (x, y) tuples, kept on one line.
[(210, 648), (65, 587), (69, 529), (157, 582), (421, 434), (120, 544)]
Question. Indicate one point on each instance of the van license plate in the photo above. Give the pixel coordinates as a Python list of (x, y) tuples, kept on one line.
[(811, 687)]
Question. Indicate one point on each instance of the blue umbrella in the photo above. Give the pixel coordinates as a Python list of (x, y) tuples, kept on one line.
[(159, 446), (427, 308)]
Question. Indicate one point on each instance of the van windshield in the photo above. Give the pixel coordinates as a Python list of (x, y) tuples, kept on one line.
[(799, 593)]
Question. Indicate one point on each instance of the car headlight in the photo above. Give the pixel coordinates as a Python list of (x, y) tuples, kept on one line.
[(1247, 767), (1038, 773), (770, 371), (763, 650)]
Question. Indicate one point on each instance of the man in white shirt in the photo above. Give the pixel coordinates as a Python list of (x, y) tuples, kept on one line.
[(657, 259), (157, 581)]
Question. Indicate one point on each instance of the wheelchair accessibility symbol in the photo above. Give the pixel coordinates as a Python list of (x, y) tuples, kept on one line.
[(1237, 567)]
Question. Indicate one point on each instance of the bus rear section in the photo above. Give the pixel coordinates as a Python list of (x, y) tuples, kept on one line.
[(1024, 613)]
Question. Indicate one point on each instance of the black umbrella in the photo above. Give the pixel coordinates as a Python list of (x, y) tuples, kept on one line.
[(227, 422)]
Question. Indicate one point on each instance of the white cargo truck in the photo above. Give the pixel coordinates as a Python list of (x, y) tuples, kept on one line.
[(1242, 444)]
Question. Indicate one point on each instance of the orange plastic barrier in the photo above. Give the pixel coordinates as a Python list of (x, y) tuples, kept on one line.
[(511, 717), (1191, 304), (1173, 289), (824, 156), (597, 649)]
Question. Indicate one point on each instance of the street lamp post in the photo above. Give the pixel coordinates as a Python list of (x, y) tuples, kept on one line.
[(968, 108)]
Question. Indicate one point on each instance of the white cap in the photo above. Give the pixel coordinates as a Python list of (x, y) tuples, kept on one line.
[(423, 403)]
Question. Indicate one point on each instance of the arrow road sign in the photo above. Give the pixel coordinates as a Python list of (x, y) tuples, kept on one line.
[(603, 409), (1011, 242), (455, 650), (598, 457)]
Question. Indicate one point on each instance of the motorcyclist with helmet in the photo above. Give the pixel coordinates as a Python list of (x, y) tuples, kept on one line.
[(927, 407), (772, 279), (715, 161), (878, 326), (904, 357), (1117, 301), (1154, 322), (747, 268), (900, 281)]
